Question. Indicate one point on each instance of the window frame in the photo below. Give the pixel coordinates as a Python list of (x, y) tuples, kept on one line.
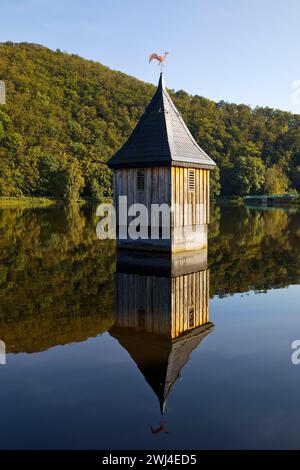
[(140, 180), (191, 180)]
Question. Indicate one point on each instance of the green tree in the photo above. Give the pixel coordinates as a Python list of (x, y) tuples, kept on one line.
[(276, 180), (74, 182), (96, 190), (51, 177), (296, 177), (249, 175), (215, 186)]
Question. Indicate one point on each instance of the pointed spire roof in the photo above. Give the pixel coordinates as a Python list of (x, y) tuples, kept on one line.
[(161, 138), (160, 359)]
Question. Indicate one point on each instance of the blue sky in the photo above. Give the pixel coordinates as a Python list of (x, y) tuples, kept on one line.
[(238, 50)]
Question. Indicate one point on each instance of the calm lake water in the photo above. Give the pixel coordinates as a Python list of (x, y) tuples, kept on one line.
[(81, 373)]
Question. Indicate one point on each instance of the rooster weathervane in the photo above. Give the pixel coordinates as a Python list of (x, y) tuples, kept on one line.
[(160, 59)]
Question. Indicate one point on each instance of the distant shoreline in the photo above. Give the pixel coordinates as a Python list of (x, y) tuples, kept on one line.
[(36, 201), (253, 201), (273, 201), (10, 202), (280, 201)]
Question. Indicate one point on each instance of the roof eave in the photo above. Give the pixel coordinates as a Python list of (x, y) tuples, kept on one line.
[(161, 163)]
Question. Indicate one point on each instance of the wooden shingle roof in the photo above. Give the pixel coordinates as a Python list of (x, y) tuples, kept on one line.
[(161, 138)]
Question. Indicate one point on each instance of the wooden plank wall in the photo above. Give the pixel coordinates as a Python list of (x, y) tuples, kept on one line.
[(152, 294), (157, 187), (189, 291), (166, 302), (167, 186), (180, 194)]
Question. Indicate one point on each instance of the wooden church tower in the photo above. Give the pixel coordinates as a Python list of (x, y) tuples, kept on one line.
[(161, 163)]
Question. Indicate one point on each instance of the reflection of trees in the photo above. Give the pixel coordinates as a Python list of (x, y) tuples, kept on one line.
[(215, 217), (55, 278), (251, 249), (276, 224), (74, 221)]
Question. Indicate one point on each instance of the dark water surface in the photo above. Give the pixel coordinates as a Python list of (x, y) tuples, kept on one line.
[(87, 367)]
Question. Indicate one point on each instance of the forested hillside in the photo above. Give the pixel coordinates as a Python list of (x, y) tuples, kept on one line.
[(65, 116)]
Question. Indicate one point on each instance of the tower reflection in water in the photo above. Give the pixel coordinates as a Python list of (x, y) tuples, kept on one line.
[(162, 314)]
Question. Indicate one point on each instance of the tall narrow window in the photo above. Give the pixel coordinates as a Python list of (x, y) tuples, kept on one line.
[(140, 180), (191, 317), (191, 180), (141, 320)]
